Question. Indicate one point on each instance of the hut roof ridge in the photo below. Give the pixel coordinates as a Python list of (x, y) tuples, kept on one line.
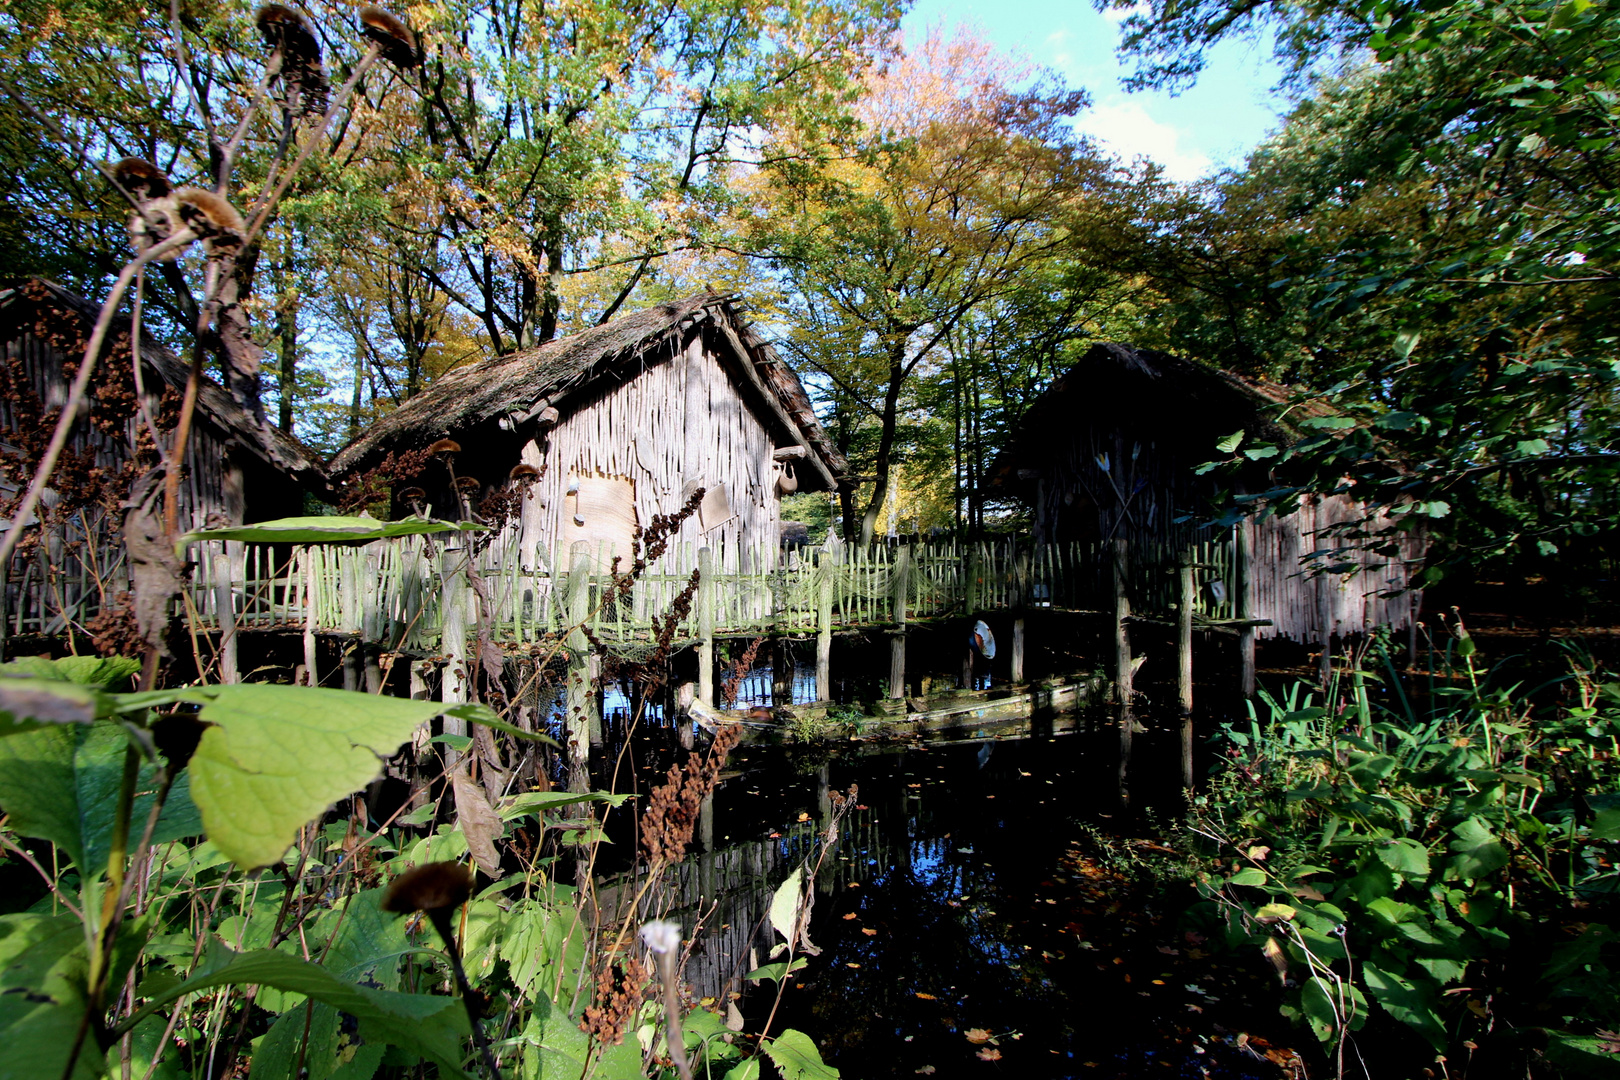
[(512, 384)]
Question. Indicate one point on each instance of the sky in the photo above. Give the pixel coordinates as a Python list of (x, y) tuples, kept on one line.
[(1216, 123)]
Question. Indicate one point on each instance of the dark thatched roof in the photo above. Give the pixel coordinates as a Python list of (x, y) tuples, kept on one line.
[(38, 306), (512, 389), (1182, 402)]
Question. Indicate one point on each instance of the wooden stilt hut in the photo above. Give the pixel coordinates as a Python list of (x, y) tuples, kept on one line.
[(237, 468), (1112, 451), (613, 427)]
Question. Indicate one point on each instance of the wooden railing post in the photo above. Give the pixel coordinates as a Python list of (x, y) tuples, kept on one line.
[(306, 565), (581, 694), (453, 639), (826, 572), (1122, 660), (897, 639), (225, 609), (1243, 586), (1184, 667), (706, 596)]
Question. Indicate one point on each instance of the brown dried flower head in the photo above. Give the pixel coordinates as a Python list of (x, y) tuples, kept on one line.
[(445, 446), (523, 471), (431, 887), (141, 178), (392, 36)]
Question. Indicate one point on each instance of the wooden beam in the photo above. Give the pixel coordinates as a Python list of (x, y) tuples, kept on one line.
[(897, 640), (1184, 671), (705, 649), (772, 403), (1123, 669)]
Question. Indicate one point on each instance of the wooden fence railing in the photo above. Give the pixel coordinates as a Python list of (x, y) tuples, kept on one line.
[(398, 591)]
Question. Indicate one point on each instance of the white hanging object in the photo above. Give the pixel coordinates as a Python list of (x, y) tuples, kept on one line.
[(983, 640)]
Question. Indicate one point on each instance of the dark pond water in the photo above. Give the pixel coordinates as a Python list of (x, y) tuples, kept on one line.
[(971, 918)]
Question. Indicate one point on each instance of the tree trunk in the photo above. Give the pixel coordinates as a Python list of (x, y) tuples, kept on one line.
[(891, 414)]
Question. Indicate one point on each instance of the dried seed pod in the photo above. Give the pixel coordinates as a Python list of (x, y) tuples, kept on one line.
[(157, 217), (392, 36), (445, 446), (436, 886), (212, 218), (304, 80), (468, 484), (521, 472), (142, 179), (413, 495)]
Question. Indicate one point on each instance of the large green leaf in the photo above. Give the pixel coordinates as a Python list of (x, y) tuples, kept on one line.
[(1407, 1002), (796, 1055), (277, 756), (537, 802), (424, 1024), (334, 529), (61, 784), (1478, 851), (43, 965), (101, 672)]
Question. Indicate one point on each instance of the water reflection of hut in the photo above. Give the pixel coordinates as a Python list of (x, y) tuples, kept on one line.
[(1112, 450), (622, 423)]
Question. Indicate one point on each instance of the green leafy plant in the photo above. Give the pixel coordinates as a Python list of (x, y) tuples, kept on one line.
[(1395, 856)]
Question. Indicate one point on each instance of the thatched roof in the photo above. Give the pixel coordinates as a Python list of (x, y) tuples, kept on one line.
[(40, 307), (1182, 402), (571, 370)]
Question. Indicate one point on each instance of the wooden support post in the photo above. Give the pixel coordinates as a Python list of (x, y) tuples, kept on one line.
[(1016, 658), (1243, 588), (971, 597), (826, 569), (225, 607), (453, 640), (1021, 599), (897, 639), (579, 716), (1324, 615), (1184, 669), (705, 598), (420, 788), (1122, 662), (312, 675), (781, 672)]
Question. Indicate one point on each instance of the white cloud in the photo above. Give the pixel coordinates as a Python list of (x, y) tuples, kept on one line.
[(1118, 15), (1126, 128)]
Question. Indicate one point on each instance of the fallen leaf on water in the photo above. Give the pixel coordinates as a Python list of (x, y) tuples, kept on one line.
[(1167, 950), (803, 816), (924, 1070), (852, 965), (989, 1053), (852, 915), (926, 997), (977, 1035), (868, 931)]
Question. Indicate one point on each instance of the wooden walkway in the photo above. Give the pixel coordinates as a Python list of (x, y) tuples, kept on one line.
[(407, 593)]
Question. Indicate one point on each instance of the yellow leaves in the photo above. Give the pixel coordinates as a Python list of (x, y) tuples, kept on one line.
[(977, 1036)]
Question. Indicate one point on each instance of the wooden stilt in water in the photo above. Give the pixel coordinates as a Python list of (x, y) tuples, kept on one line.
[(705, 649), (1016, 659), (1122, 663), (781, 672), (581, 694), (897, 639), (826, 569), (1184, 669), (1243, 587)]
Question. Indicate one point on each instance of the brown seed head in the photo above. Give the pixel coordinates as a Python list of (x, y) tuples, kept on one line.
[(208, 215), (413, 495), (468, 484), (445, 446), (392, 36), (283, 28), (141, 178), (522, 471), (430, 887)]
